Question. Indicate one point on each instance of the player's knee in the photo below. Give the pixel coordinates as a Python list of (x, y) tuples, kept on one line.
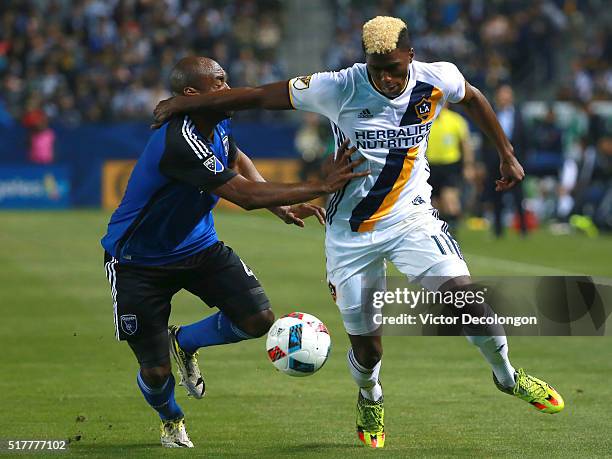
[(258, 324), (156, 376)]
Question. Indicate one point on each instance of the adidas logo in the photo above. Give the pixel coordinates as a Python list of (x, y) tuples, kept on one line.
[(365, 113)]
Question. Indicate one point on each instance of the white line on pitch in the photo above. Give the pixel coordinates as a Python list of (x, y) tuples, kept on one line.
[(516, 266)]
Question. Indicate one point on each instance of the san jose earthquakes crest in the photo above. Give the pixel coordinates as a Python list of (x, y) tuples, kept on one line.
[(129, 323)]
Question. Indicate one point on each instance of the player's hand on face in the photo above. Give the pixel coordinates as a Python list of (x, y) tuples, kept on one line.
[(511, 173), (339, 170), (164, 110)]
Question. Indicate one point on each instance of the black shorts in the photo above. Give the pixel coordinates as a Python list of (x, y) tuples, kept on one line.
[(142, 294), (444, 176)]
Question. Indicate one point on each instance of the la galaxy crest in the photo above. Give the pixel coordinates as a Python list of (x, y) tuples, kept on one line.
[(423, 109)]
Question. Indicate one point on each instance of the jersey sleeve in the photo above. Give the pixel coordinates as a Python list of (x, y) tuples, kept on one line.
[(454, 82), (319, 93), (190, 160), (232, 152)]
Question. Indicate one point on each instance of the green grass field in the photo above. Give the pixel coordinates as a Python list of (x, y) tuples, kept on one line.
[(60, 360)]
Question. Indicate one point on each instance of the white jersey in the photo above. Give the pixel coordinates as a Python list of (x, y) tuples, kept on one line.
[(390, 133)]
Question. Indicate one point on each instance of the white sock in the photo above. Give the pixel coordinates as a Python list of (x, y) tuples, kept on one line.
[(366, 378), (495, 351)]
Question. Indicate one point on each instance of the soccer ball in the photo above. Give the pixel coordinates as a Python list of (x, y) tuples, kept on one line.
[(298, 344)]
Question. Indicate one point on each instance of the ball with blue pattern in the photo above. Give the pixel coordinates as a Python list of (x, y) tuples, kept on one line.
[(298, 344)]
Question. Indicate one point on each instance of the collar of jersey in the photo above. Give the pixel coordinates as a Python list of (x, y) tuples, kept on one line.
[(209, 141), (409, 84)]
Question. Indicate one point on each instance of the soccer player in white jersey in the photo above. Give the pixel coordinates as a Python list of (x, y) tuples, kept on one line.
[(386, 107)]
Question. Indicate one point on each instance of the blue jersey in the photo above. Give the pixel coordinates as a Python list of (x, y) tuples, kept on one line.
[(165, 214)]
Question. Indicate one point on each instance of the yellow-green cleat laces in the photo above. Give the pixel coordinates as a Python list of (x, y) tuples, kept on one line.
[(535, 392)]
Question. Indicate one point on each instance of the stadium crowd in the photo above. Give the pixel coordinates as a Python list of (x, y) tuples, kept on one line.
[(100, 60), (522, 42)]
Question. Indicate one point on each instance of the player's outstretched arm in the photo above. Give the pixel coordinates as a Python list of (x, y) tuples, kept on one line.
[(250, 194), (292, 215), (480, 111), (273, 96)]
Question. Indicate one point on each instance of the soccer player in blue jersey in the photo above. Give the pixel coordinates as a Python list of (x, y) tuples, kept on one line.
[(162, 239)]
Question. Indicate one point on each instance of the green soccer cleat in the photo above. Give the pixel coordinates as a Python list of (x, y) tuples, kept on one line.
[(534, 391), (187, 364), (371, 422), (174, 435)]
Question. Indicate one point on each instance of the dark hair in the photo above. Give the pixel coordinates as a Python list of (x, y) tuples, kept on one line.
[(187, 72), (180, 78), (403, 40)]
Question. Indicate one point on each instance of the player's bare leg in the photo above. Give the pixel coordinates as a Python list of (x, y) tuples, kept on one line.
[(257, 325), (364, 361)]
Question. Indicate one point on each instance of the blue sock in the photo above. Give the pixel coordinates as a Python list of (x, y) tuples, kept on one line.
[(215, 329), (161, 398)]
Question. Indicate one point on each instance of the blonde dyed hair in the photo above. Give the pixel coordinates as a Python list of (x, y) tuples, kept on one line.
[(380, 35)]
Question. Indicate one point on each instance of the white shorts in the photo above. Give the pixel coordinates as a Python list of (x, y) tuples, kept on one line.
[(420, 248)]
